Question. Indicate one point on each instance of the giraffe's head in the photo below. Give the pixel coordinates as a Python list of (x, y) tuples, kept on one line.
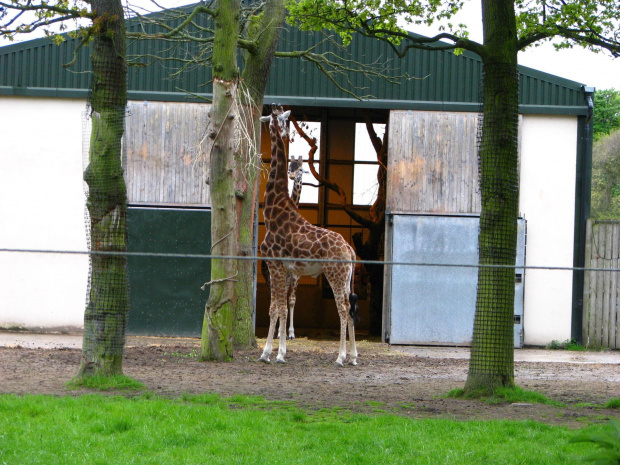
[(278, 119), (296, 167)]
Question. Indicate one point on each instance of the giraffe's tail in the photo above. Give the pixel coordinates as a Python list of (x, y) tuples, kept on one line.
[(265, 270), (354, 309)]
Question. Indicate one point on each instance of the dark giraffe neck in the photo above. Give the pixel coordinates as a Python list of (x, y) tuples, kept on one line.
[(277, 181), (296, 194)]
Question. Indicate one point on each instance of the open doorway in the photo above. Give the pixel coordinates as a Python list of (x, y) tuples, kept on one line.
[(346, 157)]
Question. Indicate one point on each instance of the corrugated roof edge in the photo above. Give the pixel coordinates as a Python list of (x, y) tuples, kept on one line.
[(325, 101), (298, 101)]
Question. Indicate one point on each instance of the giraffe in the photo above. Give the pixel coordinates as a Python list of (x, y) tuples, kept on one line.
[(289, 235), (295, 172)]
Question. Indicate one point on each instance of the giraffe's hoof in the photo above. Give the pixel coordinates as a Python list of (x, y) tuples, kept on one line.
[(264, 359), (291, 337), (280, 360), (338, 364), (353, 362)]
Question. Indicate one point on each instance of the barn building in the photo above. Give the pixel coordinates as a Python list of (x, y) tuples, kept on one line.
[(432, 189)]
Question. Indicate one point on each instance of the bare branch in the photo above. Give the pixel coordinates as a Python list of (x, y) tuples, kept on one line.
[(326, 182)]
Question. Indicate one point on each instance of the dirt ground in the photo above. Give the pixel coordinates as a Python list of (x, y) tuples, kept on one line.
[(386, 379)]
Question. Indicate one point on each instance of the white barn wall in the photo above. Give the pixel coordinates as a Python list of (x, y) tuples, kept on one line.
[(547, 200), (42, 207)]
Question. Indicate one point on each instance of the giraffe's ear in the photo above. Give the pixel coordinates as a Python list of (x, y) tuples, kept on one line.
[(265, 119), (285, 115)]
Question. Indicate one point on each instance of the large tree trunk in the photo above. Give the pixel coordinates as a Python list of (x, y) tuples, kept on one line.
[(237, 104), (265, 32), (107, 308), (217, 340), (492, 359)]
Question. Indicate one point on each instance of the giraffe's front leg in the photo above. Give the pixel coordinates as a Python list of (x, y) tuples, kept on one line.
[(276, 279), (282, 331), (268, 345)]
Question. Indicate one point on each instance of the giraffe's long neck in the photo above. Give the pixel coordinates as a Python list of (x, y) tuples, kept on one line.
[(278, 180), (296, 193)]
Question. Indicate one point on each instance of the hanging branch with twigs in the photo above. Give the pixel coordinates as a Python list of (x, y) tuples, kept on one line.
[(377, 210), (326, 182), (189, 33)]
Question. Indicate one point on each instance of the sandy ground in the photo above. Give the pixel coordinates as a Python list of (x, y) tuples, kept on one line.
[(403, 380)]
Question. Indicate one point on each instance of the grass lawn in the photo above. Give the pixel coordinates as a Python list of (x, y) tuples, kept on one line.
[(98, 429)]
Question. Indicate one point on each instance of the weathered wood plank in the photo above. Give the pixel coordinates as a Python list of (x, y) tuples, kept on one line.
[(433, 163), (601, 296), (605, 304), (600, 285), (587, 286), (612, 329), (162, 165)]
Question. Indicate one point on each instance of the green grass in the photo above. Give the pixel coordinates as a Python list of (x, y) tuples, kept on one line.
[(106, 383), (613, 403), (508, 396), (207, 429)]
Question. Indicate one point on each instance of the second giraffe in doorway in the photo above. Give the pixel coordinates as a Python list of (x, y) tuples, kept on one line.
[(290, 236)]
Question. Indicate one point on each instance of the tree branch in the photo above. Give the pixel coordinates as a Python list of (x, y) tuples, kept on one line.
[(326, 182)]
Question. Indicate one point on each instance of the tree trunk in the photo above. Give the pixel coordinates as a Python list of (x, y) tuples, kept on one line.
[(107, 309), (217, 341), (265, 30), (492, 355)]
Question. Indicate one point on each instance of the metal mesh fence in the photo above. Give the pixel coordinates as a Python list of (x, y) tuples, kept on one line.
[(107, 296), (107, 303), (492, 348)]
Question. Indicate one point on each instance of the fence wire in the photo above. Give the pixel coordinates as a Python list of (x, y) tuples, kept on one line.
[(309, 260)]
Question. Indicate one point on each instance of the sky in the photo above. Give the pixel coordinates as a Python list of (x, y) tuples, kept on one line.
[(597, 70)]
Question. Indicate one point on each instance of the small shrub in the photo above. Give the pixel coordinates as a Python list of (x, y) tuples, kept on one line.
[(613, 403), (568, 344)]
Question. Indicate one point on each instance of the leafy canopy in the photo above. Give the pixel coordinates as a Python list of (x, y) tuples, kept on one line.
[(606, 112), (51, 16), (592, 24)]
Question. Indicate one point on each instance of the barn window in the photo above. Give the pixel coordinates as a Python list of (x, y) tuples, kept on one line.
[(365, 184), (298, 146)]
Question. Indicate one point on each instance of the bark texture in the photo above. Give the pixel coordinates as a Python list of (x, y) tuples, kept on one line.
[(107, 309), (235, 164), (217, 329), (264, 31), (492, 359)]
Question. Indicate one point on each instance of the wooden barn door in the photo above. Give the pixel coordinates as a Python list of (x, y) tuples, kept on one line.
[(433, 201), (169, 212)]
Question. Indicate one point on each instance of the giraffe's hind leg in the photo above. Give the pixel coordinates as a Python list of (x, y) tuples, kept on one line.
[(352, 346), (277, 304), (337, 278), (293, 281)]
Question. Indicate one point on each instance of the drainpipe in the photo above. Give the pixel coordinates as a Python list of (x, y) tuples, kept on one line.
[(582, 210)]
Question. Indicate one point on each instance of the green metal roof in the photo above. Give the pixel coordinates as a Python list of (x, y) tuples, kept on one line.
[(440, 80)]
